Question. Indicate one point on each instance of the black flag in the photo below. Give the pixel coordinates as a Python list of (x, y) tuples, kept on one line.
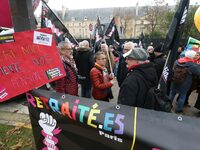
[(172, 42), (51, 20), (113, 34), (98, 34)]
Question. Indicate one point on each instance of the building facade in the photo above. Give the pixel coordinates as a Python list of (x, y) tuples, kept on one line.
[(130, 23)]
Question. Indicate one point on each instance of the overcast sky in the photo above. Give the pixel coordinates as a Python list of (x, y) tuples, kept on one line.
[(83, 4)]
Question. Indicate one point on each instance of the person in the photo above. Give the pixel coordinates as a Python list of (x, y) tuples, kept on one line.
[(182, 88), (133, 89), (84, 62), (69, 83), (157, 57), (109, 57), (100, 79), (122, 70)]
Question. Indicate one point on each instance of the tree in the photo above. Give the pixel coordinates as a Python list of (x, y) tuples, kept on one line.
[(189, 30), (125, 20), (154, 15)]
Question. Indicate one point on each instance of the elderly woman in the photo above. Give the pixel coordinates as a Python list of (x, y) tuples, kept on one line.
[(68, 84)]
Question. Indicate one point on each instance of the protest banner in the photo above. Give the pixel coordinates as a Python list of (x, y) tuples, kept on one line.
[(29, 60), (62, 122)]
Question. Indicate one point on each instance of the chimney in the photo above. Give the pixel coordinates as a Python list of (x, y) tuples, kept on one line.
[(64, 9), (136, 10)]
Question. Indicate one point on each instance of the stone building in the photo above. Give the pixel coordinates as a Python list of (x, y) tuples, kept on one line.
[(130, 21)]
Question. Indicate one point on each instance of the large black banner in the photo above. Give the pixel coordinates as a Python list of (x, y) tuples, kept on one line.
[(64, 122), (172, 42)]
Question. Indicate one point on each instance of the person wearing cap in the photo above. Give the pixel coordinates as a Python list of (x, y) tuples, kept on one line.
[(84, 62), (133, 90), (182, 89)]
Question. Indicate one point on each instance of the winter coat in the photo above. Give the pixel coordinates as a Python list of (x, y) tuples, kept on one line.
[(101, 88), (68, 84), (159, 63), (133, 89), (194, 69), (84, 62), (122, 70)]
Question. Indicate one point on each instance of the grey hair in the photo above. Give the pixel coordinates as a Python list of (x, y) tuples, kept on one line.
[(133, 45), (62, 44), (84, 44), (98, 54)]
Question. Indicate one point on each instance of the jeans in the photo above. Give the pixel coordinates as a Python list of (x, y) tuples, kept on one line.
[(181, 100), (86, 90)]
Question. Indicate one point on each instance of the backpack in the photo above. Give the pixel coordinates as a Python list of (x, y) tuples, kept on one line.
[(155, 99), (179, 74)]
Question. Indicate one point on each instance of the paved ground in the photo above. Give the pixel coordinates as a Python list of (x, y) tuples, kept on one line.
[(15, 112)]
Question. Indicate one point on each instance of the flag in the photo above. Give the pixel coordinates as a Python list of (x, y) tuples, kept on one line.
[(98, 31), (51, 20), (193, 44), (113, 34), (98, 34), (172, 42)]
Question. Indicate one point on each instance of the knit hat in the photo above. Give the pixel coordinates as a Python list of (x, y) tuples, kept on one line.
[(137, 54), (190, 54)]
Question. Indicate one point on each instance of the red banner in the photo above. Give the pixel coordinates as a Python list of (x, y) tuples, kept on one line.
[(5, 14), (28, 61)]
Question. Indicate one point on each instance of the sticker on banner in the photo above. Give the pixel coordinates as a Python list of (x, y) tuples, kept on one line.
[(42, 38), (3, 92)]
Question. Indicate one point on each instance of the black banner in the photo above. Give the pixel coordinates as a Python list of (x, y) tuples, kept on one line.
[(62, 122), (113, 33), (51, 20), (172, 42)]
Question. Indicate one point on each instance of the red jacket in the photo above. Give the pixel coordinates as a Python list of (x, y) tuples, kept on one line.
[(68, 84), (100, 88)]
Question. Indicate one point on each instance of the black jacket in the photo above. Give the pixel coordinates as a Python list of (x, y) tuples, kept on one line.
[(159, 63), (122, 70), (84, 62), (133, 89)]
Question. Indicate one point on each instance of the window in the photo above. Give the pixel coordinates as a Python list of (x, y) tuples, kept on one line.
[(85, 18)]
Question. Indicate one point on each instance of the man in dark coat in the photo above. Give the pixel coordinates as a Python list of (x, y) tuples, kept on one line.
[(157, 57), (133, 90), (84, 62), (122, 70)]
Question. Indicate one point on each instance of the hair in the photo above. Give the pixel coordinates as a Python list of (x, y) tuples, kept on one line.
[(133, 45), (98, 54), (84, 44), (104, 44), (62, 44)]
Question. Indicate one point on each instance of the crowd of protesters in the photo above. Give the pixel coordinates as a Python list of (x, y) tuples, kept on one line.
[(136, 70)]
